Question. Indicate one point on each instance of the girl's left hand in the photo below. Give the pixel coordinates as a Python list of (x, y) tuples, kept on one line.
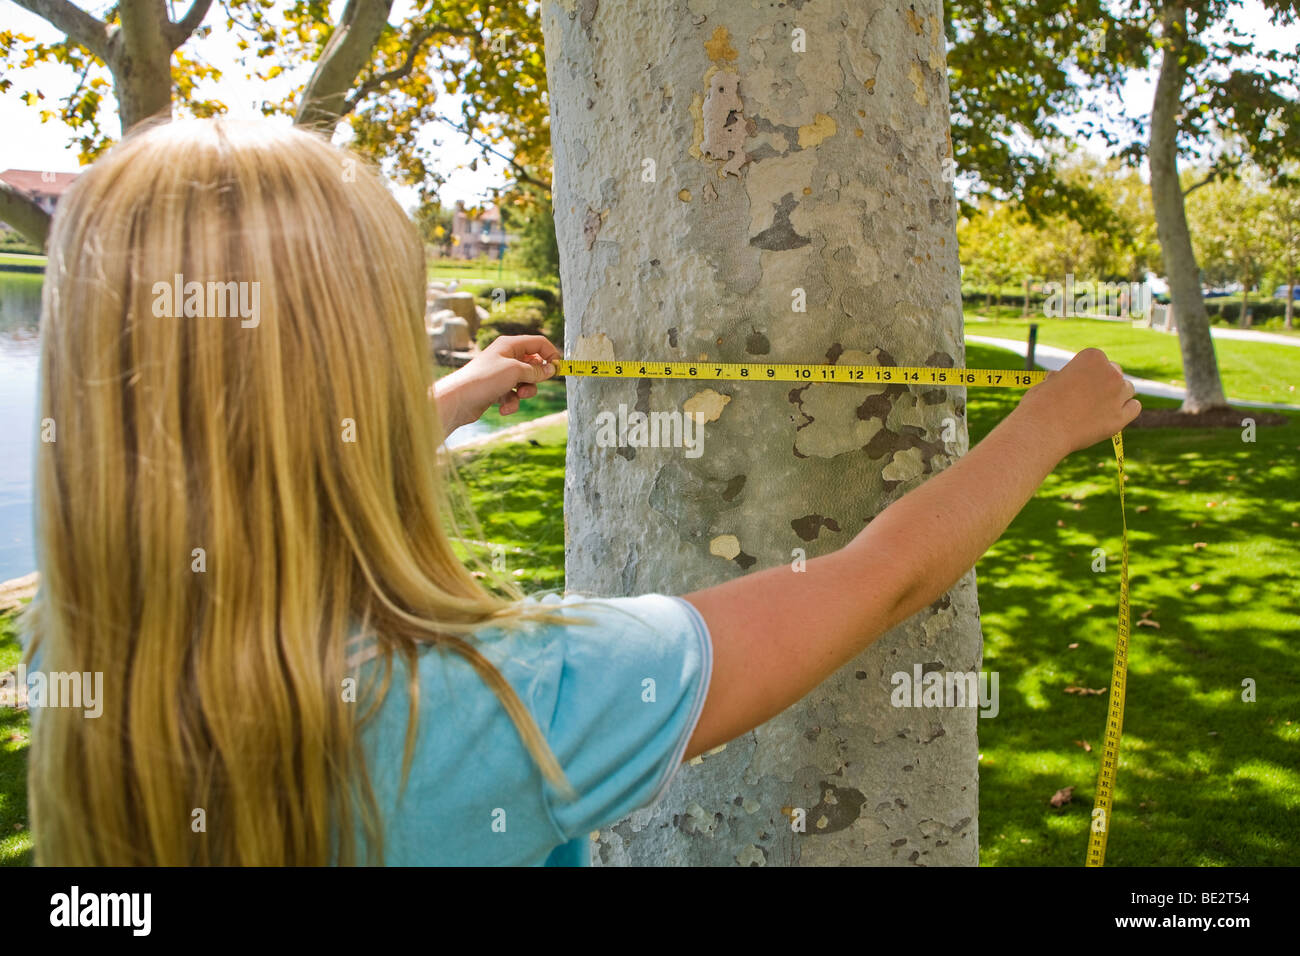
[(502, 374)]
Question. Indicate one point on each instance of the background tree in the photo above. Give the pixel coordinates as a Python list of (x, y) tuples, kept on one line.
[(434, 222), (706, 213), (991, 240), (537, 250), (381, 77), (1228, 219), (1282, 223), (1202, 89)]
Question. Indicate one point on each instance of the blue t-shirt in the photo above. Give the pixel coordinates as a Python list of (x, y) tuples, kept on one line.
[(617, 700)]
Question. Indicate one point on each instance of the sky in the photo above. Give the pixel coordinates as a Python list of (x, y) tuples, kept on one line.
[(27, 143)]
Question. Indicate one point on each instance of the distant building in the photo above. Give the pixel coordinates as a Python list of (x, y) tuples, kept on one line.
[(476, 234), (43, 186)]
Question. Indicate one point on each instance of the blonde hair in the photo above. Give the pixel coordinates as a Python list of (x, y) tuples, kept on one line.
[(299, 452)]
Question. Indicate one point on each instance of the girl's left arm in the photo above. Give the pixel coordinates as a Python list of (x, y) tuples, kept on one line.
[(504, 373)]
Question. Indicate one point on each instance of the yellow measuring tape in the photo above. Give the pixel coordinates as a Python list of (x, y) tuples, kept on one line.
[(920, 375)]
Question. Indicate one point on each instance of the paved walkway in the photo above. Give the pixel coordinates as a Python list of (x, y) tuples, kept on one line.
[(1052, 358), (1248, 336)]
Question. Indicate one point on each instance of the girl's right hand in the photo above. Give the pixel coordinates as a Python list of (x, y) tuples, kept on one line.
[(1085, 402)]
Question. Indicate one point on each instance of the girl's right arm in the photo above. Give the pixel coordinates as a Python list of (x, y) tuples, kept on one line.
[(778, 634)]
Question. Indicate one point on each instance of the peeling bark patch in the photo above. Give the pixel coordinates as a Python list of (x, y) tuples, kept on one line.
[(819, 130), (757, 344), (904, 466), (781, 235), (838, 808), (880, 404), (643, 396), (725, 129), (707, 403), (672, 337), (595, 348), (809, 526), (940, 360), (586, 14), (909, 436), (734, 487), (752, 855), (918, 85), (746, 561), (725, 546), (688, 501), (831, 427), (719, 46), (591, 224)]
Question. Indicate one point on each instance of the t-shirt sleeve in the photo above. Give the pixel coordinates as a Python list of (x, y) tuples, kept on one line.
[(630, 690)]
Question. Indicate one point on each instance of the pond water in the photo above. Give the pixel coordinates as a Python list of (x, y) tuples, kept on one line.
[(20, 308)]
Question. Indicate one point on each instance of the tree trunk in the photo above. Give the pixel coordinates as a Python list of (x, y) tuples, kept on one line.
[(1025, 311), (141, 63), (1200, 368), (24, 214), (348, 50), (712, 182), (1290, 292), (1243, 320)]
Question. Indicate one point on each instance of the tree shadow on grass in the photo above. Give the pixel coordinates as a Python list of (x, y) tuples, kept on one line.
[(1205, 778)]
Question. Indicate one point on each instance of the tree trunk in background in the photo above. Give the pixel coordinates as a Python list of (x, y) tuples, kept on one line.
[(1243, 320), (1290, 293), (142, 64), (1200, 368), (708, 180)]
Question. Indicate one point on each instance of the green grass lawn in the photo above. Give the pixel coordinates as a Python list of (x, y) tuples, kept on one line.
[(517, 491), (21, 259), (474, 270), (1205, 778), (1251, 371), (15, 837)]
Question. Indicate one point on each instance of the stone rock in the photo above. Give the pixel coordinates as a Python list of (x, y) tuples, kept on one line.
[(451, 334), (463, 304)]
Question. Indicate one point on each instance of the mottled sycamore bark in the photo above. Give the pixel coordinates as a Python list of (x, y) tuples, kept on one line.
[(718, 166)]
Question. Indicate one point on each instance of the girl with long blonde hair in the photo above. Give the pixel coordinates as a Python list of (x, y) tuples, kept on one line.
[(243, 526)]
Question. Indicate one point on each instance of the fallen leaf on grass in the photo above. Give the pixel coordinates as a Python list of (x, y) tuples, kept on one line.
[(1074, 646), (1195, 587), (1087, 747), (1141, 508), (1085, 691), (1197, 545), (1062, 797), (1145, 620)]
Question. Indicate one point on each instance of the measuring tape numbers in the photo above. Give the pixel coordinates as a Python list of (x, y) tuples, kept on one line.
[(920, 375)]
